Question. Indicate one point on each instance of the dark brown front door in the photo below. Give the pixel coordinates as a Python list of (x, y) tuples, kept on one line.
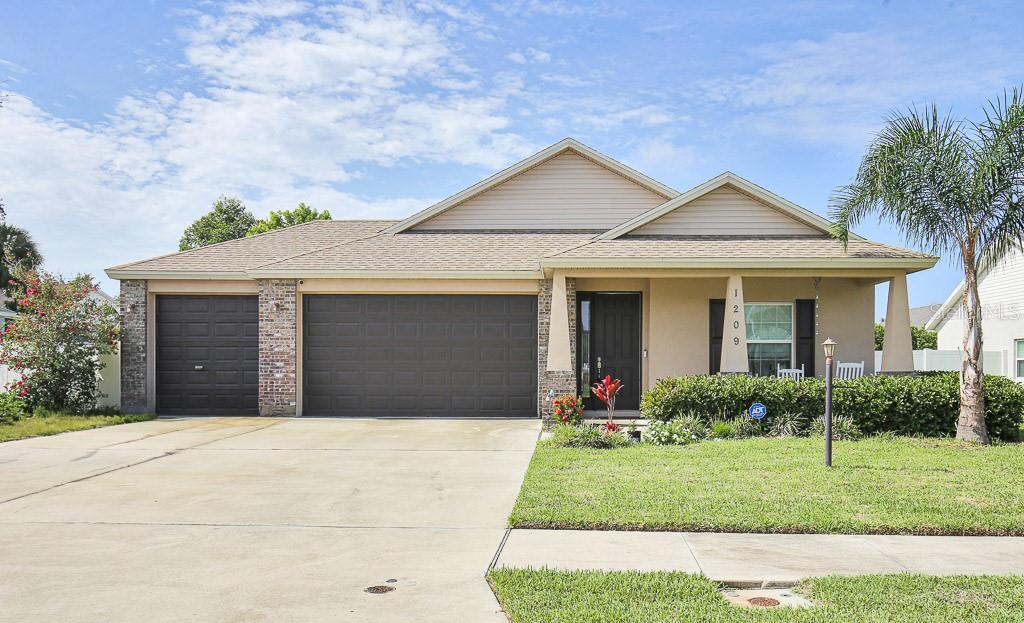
[(610, 344)]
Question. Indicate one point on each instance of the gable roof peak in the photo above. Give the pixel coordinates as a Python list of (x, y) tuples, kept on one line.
[(726, 178), (566, 144)]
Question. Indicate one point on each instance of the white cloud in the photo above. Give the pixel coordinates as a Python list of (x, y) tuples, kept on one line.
[(661, 156), (554, 8), (836, 89), (648, 115), (297, 101), (531, 55)]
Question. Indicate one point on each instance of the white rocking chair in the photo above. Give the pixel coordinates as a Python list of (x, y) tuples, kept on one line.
[(797, 374), (845, 371)]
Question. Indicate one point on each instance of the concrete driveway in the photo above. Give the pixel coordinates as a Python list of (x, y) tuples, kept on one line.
[(246, 519)]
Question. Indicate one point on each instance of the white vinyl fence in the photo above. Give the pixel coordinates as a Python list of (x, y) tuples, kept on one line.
[(925, 360), (7, 376)]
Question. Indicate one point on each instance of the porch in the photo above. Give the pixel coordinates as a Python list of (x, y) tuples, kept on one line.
[(644, 327)]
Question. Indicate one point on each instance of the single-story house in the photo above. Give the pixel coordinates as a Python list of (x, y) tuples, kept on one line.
[(534, 282)]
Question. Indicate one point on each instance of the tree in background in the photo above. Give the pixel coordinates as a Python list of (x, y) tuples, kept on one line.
[(56, 340), (18, 252), (286, 218), (920, 337), (228, 220), (957, 190)]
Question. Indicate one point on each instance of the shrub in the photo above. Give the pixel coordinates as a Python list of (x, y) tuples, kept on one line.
[(747, 426), (678, 432), (12, 408), (723, 429), (56, 340), (568, 409), (922, 405), (787, 425), (843, 427), (588, 437)]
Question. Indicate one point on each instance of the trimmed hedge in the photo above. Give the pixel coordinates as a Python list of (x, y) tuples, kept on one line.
[(923, 405)]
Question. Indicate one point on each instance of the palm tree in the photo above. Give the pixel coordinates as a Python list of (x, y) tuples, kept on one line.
[(954, 188), (17, 251)]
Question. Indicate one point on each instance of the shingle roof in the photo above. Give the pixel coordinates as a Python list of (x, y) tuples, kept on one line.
[(245, 253), (733, 247), (323, 247), (438, 251)]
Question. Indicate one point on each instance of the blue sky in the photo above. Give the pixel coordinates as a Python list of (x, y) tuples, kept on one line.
[(124, 121)]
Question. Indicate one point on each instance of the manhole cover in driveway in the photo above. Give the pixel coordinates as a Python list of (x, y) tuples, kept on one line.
[(379, 589), (767, 602), (765, 598)]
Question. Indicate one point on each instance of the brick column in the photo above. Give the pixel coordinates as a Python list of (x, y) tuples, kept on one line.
[(278, 344), (562, 382), (133, 346)]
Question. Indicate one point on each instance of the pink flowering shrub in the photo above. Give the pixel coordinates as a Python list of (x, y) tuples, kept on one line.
[(55, 342)]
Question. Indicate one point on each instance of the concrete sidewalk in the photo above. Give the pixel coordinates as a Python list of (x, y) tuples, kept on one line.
[(762, 560)]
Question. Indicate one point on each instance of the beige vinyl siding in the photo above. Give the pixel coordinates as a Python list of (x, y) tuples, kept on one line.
[(725, 212), (565, 192)]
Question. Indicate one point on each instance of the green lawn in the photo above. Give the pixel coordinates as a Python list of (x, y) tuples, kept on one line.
[(590, 596), (878, 485), (41, 425)]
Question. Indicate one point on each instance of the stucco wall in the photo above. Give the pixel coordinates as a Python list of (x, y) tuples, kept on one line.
[(678, 338)]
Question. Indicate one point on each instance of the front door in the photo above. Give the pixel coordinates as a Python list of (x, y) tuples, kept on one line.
[(609, 344)]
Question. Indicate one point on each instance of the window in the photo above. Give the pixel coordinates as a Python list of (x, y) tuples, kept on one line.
[(1019, 345), (769, 337), (584, 348)]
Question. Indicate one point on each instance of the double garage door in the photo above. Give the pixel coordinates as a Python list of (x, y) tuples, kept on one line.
[(362, 355)]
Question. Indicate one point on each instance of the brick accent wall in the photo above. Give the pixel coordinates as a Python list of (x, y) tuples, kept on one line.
[(560, 382), (133, 346), (278, 344)]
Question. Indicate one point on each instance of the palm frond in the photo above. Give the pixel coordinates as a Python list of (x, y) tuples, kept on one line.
[(999, 162), (916, 174)]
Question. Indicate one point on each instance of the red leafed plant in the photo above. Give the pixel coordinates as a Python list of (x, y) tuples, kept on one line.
[(606, 391)]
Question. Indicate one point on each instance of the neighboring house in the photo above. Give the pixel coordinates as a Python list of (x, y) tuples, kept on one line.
[(532, 283), (919, 316), (1001, 290), (109, 375)]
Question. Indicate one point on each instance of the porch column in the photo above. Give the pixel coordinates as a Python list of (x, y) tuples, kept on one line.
[(559, 350), (897, 348), (734, 333)]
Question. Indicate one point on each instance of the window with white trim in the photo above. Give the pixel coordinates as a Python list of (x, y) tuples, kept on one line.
[(1019, 348), (769, 337)]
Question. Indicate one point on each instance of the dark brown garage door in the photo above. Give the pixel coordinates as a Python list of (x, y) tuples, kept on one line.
[(420, 355), (207, 355)]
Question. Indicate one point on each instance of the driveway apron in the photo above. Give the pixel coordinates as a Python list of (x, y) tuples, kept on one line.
[(250, 519)]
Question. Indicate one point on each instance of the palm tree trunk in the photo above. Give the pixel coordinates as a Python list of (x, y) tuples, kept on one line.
[(971, 424)]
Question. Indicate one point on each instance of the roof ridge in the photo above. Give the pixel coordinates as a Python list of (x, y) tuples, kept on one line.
[(316, 250), (216, 244)]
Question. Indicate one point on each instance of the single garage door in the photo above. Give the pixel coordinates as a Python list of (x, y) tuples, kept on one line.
[(420, 355), (207, 355)]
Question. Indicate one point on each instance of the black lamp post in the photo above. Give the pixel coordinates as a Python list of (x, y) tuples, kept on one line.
[(830, 350)]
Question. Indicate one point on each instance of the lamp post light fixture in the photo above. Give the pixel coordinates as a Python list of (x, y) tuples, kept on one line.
[(829, 345)]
